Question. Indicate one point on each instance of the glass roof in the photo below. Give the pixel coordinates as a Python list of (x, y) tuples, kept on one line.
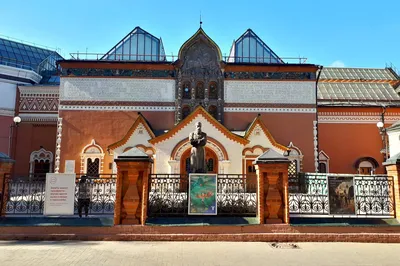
[(24, 56), (138, 45), (249, 48)]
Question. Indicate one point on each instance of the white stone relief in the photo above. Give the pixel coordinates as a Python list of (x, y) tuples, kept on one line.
[(269, 92), (113, 89), (58, 145)]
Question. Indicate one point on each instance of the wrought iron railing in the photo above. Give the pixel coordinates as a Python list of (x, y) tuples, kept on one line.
[(168, 195), (25, 195), (173, 58), (370, 196)]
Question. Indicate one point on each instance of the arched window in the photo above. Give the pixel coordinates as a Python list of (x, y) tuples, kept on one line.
[(323, 165), (296, 157), (213, 91), (213, 111), (41, 162), (186, 91), (185, 111), (92, 159), (366, 165), (200, 90)]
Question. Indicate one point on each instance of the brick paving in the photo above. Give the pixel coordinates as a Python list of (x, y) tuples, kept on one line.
[(194, 253)]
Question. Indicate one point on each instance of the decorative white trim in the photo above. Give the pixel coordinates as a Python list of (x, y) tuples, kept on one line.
[(40, 155), (261, 91), (7, 112), (315, 132), (269, 110), (115, 108), (39, 117), (42, 91), (296, 156), (356, 119), (92, 151), (185, 146), (117, 89), (58, 145)]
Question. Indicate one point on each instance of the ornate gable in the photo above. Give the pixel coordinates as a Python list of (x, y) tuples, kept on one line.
[(258, 130), (139, 127), (199, 111)]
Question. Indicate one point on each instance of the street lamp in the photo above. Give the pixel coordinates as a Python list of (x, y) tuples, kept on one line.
[(382, 132), (16, 120)]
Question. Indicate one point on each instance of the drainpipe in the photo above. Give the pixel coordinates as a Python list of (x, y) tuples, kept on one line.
[(316, 113)]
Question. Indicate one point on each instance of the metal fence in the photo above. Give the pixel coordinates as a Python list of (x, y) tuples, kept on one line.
[(25, 195), (312, 195), (168, 195)]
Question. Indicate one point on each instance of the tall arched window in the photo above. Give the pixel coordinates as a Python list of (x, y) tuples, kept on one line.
[(213, 91), (200, 90), (185, 111), (213, 111), (41, 162), (186, 91), (210, 165), (92, 159)]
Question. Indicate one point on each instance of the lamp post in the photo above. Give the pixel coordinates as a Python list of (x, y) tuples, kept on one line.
[(16, 120), (382, 132)]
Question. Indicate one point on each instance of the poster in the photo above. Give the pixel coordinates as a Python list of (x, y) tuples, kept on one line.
[(202, 194), (341, 195), (60, 194), (69, 167)]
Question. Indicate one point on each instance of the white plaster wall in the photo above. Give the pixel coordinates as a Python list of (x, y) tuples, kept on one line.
[(164, 148), (8, 93), (394, 142), (258, 137), (135, 139), (285, 92), (117, 89)]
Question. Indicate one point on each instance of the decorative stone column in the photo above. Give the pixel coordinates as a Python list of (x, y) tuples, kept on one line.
[(393, 170), (273, 194), (134, 167), (6, 165)]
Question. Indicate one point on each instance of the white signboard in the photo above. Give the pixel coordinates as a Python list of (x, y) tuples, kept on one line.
[(69, 167), (60, 194)]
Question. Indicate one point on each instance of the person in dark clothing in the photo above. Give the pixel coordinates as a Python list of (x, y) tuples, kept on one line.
[(84, 196)]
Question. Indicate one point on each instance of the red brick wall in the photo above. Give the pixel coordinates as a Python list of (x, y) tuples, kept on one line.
[(284, 127), (29, 138), (80, 127), (5, 122)]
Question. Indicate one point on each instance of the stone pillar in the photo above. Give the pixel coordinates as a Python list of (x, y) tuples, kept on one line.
[(273, 194), (6, 165), (134, 167), (393, 170)]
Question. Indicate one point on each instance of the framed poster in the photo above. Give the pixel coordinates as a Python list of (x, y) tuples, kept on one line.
[(59, 194), (341, 195), (202, 198)]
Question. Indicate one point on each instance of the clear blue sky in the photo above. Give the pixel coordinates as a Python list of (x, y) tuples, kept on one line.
[(353, 33)]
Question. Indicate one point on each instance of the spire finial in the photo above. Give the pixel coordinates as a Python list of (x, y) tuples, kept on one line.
[(201, 22)]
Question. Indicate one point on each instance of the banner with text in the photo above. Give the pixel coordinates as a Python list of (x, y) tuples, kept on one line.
[(60, 194)]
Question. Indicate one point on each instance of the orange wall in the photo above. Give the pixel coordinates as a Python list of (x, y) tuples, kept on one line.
[(284, 127), (5, 122), (345, 143), (29, 138), (106, 128)]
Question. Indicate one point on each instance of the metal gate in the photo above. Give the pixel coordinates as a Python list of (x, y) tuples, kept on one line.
[(168, 195)]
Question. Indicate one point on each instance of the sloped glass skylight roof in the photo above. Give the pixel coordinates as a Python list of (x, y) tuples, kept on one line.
[(138, 45), (249, 48), (24, 56)]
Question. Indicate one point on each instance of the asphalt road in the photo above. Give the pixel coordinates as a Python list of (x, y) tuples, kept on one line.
[(195, 253)]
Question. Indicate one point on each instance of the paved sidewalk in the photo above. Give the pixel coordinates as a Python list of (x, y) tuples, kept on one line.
[(195, 253)]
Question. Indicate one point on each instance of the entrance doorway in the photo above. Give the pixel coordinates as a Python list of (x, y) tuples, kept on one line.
[(211, 161)]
